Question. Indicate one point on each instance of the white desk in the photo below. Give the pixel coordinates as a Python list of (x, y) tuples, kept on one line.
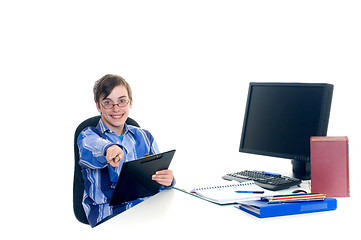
[(181, 215), (172, 214)]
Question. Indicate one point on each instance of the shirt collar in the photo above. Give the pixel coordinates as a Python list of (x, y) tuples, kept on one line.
[(127, 129)]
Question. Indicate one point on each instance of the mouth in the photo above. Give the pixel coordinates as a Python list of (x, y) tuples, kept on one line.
[(117, 116)]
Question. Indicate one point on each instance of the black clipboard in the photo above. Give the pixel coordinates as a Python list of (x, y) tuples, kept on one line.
[(135, 178)]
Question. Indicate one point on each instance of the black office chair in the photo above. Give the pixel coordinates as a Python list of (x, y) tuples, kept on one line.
[(78, 185)]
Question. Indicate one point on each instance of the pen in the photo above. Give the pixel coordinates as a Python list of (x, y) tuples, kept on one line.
[(295, 198), (259, 192)]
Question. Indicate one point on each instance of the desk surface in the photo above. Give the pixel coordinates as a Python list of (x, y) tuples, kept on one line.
[(182, 215)]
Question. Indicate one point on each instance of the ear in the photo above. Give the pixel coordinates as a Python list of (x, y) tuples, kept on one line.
[(98, 108)]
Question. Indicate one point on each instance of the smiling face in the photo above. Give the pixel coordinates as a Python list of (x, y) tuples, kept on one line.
[(114, 109)]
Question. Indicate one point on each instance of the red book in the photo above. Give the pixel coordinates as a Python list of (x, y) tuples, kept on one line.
[(329, 166)]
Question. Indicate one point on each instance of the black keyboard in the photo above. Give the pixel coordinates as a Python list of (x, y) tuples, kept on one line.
[(267, 180)]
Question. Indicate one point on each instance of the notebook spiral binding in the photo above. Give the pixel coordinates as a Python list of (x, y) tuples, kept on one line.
[(224, 186)]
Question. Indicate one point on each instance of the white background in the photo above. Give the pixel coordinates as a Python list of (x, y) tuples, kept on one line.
[(189, 64)]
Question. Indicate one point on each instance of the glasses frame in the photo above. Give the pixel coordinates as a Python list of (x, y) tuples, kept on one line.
[(120, 104)]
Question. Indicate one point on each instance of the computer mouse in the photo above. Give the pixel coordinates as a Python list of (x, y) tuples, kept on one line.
[(299, 191)]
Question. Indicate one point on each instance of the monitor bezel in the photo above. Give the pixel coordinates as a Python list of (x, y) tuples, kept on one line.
[(322, 124)]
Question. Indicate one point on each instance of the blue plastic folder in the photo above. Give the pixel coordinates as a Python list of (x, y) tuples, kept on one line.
[(263, 209)]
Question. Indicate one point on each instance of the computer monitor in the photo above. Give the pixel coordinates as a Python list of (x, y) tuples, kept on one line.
[(280, 118)]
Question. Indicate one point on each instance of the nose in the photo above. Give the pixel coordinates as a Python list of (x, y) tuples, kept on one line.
[(116, 108)]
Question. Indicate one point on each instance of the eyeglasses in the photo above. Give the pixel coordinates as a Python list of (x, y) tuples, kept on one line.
[(109, 104)]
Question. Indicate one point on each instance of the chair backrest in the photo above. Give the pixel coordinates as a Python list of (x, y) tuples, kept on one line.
[(78, 184)]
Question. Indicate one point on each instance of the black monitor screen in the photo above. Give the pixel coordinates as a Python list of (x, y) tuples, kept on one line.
[(280, 118)]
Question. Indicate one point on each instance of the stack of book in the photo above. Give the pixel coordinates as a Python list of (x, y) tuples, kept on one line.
[(288, 205)]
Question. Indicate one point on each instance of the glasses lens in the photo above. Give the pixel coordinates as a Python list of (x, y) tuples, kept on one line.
[(107, 105), (123, 102)]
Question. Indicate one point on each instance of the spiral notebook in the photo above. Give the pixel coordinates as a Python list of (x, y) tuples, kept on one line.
[(231, 193)]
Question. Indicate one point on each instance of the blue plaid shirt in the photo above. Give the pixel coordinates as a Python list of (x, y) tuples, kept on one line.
[(99, 176)]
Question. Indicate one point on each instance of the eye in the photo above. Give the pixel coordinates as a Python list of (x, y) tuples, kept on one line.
[(107, 103)]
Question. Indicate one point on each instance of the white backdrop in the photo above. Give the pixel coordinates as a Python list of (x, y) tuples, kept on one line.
[(189, 64)]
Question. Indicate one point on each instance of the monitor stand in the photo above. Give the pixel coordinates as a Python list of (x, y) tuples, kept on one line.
[(301, 170)]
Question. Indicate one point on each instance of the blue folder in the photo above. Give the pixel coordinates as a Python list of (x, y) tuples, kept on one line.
[(263, 209)]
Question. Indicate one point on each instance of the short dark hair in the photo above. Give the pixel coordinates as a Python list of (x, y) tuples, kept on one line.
[(104, 86)]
